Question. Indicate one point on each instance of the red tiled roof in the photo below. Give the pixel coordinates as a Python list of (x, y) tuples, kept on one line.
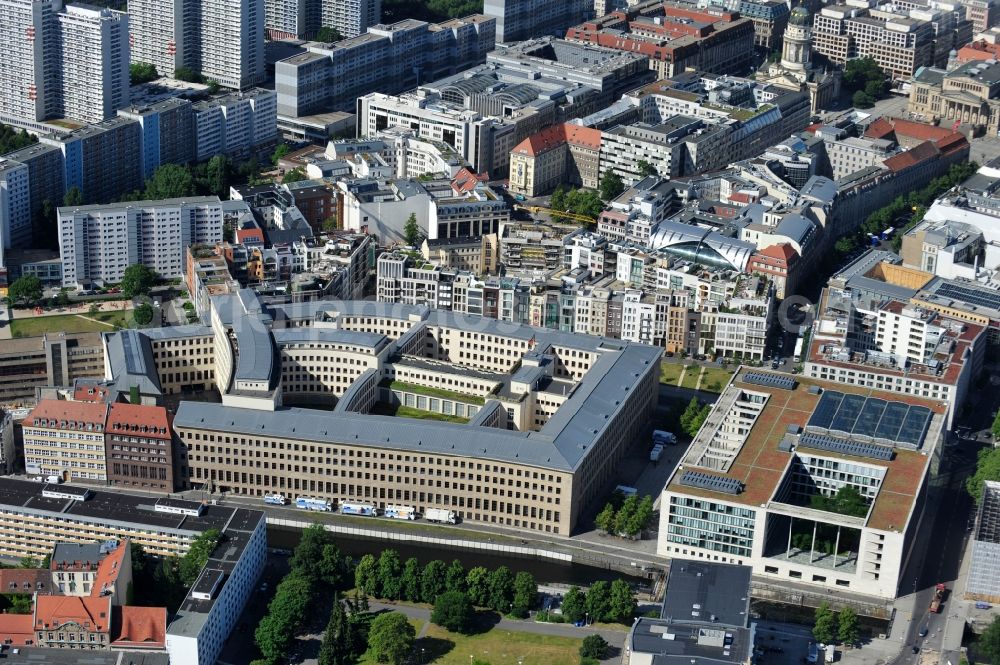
[(109, 568), (139, 626), (25, 580), (89, 392), (557, 135), (62, 410), (55, 611), (242, 235), (904, 160), (124, 418), (784, 251), (879, 129), (981, 50), (466, 180), (16, 629), (908, 128)]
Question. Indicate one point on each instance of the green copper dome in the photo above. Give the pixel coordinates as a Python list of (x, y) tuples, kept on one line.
[(800, 16)]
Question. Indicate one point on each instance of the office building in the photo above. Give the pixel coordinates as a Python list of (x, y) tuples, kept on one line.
[(221, 40), (769, 18), (97, 243), (755, 497), (675, 37), (983, 582), (66, 439), (518, 20), (15, 207), (62, 61), (564, 154), (387, 58), (55, 359), (139, 447)]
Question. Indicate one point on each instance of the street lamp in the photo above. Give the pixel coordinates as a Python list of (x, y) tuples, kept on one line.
[(586, 618), (421, 656)]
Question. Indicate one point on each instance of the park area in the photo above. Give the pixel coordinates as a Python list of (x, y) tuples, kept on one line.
[(29, 325), (712, 379)]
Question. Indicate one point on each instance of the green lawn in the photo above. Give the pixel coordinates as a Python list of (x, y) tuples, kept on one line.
[(691, 378), (715, 375), (670, 372), (71, 323), (409, 412), (437, 392), (498, 647)]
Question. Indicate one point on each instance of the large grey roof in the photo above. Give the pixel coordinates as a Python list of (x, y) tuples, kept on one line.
[(329, 335), (719, 590), (256, 359), (131, 360), (796, 227)]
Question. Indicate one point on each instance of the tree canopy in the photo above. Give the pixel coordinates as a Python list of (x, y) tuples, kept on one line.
[(987, 468), (328, 34), (453, 611), (390, 638), (142, 72), (594, 646), (25, 291), (988, 645), (694, 415), (170, 181), (12, 139), (411, 230), (611, 185), (847, 501), (192, 563), (143, 314), (137, 280), (825, 626)]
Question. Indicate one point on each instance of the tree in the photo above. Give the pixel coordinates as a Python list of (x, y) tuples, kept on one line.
[(454, 579), (137, 280), (143, 314), (611, 185), (477, 582), (847, 630), (862, 100), (995, 429), (626, 514), (825, 627), (453, 611), (27, 562), (594, 646), (333, 566), (621, 602), (62, 299), (988, 644), (194, 560), (558, 198), (279, 152), (308, 554), (338, 640), (12, 139), (328, 34), (845, 245), (598, 604), (390, 638), (365, 577), (215, 178), (187, 74), (294, 175), (411, 230), (525, 594), (574, 605), (846, 501), (987, 468), (73, 197), (213, 86), (410, 581), (142, 72), (432, 581), (645, 168), (389, 572), (605, 520), (694, 415), (170, 181), (501, 589), (25, 291)]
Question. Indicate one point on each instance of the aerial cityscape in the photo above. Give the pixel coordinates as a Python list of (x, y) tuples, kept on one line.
[(528, 332)]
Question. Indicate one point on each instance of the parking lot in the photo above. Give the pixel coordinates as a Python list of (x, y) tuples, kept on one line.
[(782, 643)]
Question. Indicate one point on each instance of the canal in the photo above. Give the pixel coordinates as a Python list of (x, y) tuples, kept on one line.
[(546, 571)]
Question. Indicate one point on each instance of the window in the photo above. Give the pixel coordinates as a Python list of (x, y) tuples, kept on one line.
[(795, 574)]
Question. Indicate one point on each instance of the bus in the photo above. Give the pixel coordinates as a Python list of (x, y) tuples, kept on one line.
[(310, 503), (276, 499), (365, 509)]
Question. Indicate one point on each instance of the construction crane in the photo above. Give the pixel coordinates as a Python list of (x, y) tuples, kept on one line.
[(557, 214)]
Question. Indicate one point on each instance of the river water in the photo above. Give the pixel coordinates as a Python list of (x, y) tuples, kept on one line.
[(546, 571)]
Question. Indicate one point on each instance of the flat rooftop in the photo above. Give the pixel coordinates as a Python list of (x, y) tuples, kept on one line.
[(707, 593), (39, 656), (761, 462)]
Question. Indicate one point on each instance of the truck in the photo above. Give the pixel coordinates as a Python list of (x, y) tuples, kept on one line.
[(655, 453), (887, 234), (400, 512), (812, 655), (938, 598), (363, 509), (667, 438), (441, 516), (311, 503), (276, 499)]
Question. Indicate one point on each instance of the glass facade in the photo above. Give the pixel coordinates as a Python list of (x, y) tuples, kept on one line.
[(711, 526)]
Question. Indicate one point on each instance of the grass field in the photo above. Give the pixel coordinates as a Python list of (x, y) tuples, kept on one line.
[(408, 412), (691, 378), (715, 375), (670, 372), (71, 323), (498, 647)]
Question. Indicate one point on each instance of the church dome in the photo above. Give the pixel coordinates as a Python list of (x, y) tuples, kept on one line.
[(800, 16)]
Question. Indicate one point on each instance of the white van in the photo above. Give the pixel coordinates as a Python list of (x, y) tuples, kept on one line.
[(54, 480)]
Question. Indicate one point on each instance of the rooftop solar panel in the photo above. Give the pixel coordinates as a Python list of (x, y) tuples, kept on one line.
[(822, 416), (980, 297), (770, 380), (709, 482), (846, 447)]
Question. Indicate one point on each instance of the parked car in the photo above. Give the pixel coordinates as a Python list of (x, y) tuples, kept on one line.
[(923, 632)]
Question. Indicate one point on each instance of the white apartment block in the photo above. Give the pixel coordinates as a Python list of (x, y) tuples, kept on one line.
[(235, 124), (222, 40), (909, 334), (94, 62), (157, 31), (350, 17), (61, 61), (289, 19), (97, 243), (15, 207)]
